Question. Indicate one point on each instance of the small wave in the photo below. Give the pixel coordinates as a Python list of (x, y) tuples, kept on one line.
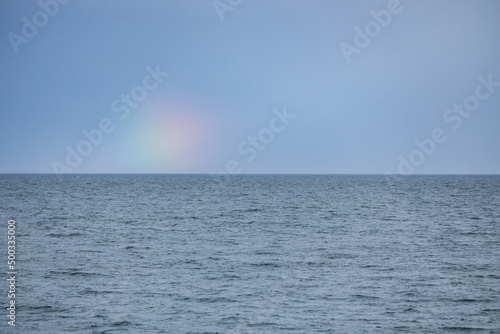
[(95, 292), (410, 309), (121, 323), (464, 329), (264, 252), (266, 264), (262, 324), (74, 273), (61, 235), (82, 273), (253, 210), (491, 310), (214, 299), (46, 308), (99, 316), (365, 296), (341, 256)]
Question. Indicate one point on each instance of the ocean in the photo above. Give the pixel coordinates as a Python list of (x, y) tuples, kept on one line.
[(253, 253)]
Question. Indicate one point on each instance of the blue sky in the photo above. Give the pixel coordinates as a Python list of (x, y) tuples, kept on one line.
[(229, 78)]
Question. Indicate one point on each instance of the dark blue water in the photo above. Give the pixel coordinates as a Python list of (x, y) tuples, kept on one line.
[(254, 254)]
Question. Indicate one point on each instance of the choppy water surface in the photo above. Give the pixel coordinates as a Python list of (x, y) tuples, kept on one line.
[(254, 254)]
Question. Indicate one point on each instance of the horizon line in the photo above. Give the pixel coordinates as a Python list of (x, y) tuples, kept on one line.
[(243, 174)]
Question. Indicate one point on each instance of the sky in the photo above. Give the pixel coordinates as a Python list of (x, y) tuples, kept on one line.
[(250, 86)]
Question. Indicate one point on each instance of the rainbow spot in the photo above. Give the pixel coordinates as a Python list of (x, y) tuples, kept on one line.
[(169, 137)]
